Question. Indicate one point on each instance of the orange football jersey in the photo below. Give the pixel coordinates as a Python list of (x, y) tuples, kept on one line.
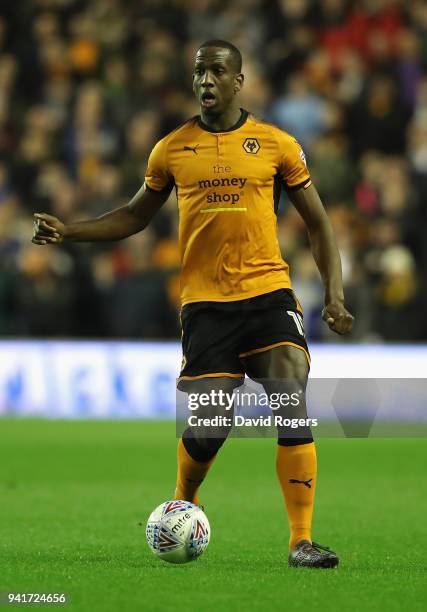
[(228, 188)]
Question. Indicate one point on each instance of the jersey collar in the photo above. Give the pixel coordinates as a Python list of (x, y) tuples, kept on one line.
[(236, 126)]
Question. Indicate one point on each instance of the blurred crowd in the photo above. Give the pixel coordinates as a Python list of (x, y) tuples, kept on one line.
[(88, 86)]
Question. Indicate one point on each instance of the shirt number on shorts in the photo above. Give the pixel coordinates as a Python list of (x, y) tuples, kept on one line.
[(298, 321)]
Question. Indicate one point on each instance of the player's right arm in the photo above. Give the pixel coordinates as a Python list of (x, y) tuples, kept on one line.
[(115, 225), (122, 222)]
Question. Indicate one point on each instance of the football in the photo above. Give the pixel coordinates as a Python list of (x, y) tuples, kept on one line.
[(178, 531)]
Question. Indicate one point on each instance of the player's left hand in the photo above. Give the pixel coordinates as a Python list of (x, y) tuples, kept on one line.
[(338, 318)]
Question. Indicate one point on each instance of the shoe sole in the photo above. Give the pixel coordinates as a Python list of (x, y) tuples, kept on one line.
[(326, 564), (330, 563)]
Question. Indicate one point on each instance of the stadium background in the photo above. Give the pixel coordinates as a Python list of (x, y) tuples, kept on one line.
[(86, 89)]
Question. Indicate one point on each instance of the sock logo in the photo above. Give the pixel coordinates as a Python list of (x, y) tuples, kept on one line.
[(306, 483)]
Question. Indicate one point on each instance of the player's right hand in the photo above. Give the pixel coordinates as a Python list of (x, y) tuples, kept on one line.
[(47, 229)]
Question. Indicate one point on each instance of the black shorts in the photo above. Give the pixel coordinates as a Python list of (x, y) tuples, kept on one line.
[(217, 335)]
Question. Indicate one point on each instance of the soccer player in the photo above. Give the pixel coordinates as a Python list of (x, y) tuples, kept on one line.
[(239, 314)]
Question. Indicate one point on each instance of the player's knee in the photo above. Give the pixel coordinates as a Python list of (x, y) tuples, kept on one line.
[(290, 363), (202, 445), (290, 413), (214, 427), (293, 426), (210, 446), (211, 418)]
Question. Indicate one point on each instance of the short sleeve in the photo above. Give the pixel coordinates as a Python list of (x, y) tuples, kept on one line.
[(157, 175), (293, 165)]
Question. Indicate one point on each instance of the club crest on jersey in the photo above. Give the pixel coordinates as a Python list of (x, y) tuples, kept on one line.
[(251, 145)]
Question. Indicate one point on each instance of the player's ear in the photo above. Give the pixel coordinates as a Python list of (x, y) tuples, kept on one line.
[(238, 82)]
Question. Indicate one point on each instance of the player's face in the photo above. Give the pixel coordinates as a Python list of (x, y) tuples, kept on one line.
[(215, 80)]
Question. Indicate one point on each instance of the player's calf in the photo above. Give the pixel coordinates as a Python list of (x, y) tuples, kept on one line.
[(209, 424)]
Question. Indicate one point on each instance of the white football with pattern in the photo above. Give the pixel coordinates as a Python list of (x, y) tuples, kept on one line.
[(178, 531)]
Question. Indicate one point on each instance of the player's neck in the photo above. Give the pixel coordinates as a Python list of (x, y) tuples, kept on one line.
[(222, 122)]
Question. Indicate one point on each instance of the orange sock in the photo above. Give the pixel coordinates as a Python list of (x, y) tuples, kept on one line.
[(190, 475), (297, 470)]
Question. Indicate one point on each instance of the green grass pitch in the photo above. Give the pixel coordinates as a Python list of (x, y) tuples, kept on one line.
[(73, 493)]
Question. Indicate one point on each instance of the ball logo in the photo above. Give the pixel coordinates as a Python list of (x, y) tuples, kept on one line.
[(181, 522), (251, 145)]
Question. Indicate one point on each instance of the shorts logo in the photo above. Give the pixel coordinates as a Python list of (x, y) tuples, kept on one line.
[(251, 145)]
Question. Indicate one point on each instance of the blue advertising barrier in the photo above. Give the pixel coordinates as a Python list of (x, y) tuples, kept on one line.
[(81, 379)]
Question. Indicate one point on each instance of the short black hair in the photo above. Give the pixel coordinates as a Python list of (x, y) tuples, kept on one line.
[(236, 56)]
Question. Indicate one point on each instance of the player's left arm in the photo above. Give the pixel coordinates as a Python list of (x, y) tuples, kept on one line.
[(326, 255)]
